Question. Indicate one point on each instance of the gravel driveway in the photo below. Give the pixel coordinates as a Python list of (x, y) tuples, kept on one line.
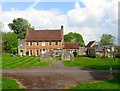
[(55, 76)]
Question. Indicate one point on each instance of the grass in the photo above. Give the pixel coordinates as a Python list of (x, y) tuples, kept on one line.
[(108, 84), (9, 84), (93, 63), (10, 62)]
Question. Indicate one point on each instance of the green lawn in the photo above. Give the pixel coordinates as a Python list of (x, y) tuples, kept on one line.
[(93, 63), (9, 62), (9, 84), (109, 84)]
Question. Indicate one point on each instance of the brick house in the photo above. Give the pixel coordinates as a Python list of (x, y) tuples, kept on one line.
[(71, 46), (41, 41)]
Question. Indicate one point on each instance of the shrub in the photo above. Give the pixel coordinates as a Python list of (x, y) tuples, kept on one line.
[(75, 53), (13, 50), (117, 52), (27, 53)]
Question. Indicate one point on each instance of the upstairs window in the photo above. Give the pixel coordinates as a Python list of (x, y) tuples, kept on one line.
[(50, 43), (43, 43), (56, 43), (30, 43), (37, 43)]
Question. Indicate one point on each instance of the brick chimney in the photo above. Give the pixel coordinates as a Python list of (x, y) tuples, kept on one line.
[(61, 27), (62, 35)]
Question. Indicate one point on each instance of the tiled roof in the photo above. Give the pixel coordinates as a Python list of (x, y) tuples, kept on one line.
[(71, 45), (90, 43), (44, 35), (98, 48)]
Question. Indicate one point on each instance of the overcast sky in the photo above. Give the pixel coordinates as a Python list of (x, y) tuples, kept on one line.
[(90, 18)]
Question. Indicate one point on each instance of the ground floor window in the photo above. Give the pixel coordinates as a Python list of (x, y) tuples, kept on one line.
[(37, 52), (30, 52)]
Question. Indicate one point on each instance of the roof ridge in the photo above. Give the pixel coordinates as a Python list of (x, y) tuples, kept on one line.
[(48, 30)]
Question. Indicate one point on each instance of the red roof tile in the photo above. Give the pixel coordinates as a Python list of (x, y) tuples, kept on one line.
[(71, 45), (44, 35)]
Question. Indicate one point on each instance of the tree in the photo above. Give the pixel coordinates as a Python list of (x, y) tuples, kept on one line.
[(18, 26), (9, 41), (74, 37), (106, 39), (117, 51)]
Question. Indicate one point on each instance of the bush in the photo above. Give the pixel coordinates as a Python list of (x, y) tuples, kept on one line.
[(13, 50), (27, 53), (75, 53), (117, 52)]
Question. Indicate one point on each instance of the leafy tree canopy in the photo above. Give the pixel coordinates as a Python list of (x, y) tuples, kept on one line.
[(106, 39), (9, 41), (18, 26), (74, 37)]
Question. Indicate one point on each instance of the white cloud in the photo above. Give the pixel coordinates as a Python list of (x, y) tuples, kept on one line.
[(98, 17)]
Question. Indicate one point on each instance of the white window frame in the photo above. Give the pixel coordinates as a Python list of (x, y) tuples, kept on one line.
[(29, 52), (37, 42), (36, 52), (43, 43), (49, 43), (30, 42)]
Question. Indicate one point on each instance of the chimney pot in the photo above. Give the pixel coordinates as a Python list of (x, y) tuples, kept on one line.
[(61, 26)]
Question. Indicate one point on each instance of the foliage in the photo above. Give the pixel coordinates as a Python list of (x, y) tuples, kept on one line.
[(19, 27), (74, 37), (75, 53), (14, 50), (108, 84), (9, 41), (106, 39), (117, 51), (9, 62), (93, 63)]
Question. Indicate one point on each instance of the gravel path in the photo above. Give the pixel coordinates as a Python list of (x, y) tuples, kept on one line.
[(55, 76)]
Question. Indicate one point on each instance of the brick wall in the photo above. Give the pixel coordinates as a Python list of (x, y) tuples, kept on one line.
[(47, 47)]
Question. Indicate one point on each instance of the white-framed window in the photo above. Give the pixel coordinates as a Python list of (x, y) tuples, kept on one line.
[(30, 52), (37, 52), (37, 43), (43, 51), (50, 43), (43, 43), (30, 43), (56, 43)]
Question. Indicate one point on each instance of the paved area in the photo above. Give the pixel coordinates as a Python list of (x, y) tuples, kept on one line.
[(55, 76)]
